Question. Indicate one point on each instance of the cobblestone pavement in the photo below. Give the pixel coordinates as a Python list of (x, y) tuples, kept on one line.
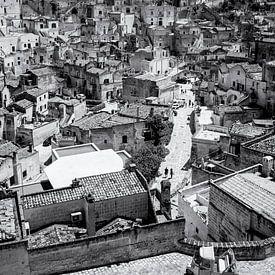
[(175, 264), (179, 150), (265, 267)]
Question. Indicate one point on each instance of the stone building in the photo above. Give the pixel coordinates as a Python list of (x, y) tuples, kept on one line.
[(245, 78), (158, 15), (37, 132), (149, 85), (96, 199), (241, 206), (45, 78), (209, 139), (253, 151), (38, 97), (227, 115), (264, 50), (154, 61), (240, 133), (66, 110), (108, 131), (17, 165)]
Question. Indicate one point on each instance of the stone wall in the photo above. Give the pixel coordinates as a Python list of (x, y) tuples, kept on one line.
[(199, 175), (14, 258), (132, 207), (244, 251), (91, 252), (37, 135), (231, 220), (227, 219)]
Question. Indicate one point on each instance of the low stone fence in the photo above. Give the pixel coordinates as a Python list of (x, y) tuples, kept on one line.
[(244, 250)]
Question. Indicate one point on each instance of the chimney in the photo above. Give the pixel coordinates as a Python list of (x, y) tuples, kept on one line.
[(90, 216), (17, 170), (132, 167), (75, 183), (267, 166), (165, 197)]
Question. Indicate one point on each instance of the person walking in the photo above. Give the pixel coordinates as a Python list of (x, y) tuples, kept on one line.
[(171, 173), (166, 172)]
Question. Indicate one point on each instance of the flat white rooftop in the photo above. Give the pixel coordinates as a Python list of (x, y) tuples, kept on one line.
[(209, 135), (66, 168)]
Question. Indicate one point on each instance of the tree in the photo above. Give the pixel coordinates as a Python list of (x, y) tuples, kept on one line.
[(148, 160)]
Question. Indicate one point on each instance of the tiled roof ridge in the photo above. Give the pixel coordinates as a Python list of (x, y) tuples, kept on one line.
[(70, 187), (256, 185)]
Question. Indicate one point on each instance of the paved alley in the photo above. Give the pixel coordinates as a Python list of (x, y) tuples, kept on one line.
[(179, 149)]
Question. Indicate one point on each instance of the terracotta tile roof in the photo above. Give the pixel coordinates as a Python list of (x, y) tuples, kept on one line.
[(103, 187), (90, 122), (24, 103), (117, 225), (248, 192), (142, 111), (57, 233), (102, 120), (232, 109), (247, 130), (43, 71), (266, 146), (7, 148), (35, 92)]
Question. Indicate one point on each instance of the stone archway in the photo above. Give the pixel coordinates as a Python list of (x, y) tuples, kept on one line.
[(232, 97)]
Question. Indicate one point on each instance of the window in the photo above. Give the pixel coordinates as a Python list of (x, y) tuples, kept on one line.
[(160, 21), (24, 174), (18, 62), (100, 12), (234, 83), (40, 108), (13, 48), (45, 96), (25, 45), (5, 11), (238, 73), (124, 139), (105, 141), (197, 230), (45, 106), (53, 25), (106, 81), (41, 26)]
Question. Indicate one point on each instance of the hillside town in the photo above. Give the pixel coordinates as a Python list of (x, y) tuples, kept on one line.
[(135, 135)]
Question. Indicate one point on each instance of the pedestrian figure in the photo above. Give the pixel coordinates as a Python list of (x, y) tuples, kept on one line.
[(166, 172), (171, 173)]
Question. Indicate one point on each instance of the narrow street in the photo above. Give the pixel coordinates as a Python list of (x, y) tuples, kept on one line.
[(179, 151)]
